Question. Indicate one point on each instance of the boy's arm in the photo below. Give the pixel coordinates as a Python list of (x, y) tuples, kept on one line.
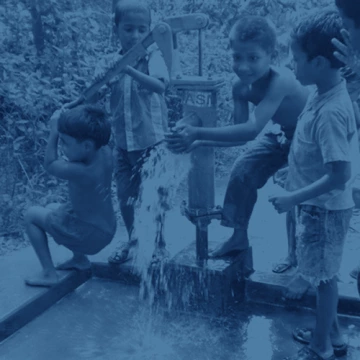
[(248, 131), (331, 136), (158, 77), (241, 116), (338, 173), (60, 168)]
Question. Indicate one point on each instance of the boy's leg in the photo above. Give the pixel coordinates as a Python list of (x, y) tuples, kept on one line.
[(250, 173), (326, 313), (127, 186), (35, 221), (321, 235), (128, 180), (290, 260)]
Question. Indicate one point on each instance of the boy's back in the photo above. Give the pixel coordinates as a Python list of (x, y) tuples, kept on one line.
[(91, 195)]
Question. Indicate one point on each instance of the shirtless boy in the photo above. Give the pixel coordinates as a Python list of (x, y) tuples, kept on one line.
[(86, 223), (277, 96)]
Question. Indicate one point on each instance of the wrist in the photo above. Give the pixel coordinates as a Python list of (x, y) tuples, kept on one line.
[(197, 134), (295, 198)]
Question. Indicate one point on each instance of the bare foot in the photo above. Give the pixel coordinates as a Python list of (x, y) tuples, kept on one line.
[(80, 264), (43, 279), (231, 247), (296, 288)]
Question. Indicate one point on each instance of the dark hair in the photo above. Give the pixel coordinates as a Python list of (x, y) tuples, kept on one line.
[(86, 122), (351, 9), (124, 6), (254, 28), (314, 33)]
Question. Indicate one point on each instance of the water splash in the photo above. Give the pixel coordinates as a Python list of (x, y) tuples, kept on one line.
[(162, 175)]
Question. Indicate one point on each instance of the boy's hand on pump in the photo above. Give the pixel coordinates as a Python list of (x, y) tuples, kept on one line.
[(182, 138)]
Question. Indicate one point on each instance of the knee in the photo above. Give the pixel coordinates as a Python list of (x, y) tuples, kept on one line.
[(36, 215), (30, 214), (241, 175)]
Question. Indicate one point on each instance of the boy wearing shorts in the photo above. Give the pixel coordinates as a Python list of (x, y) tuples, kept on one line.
[(322, 163), (277, 97), (87, 222)]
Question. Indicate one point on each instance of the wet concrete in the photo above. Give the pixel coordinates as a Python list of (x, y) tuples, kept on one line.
[(268, 239), (106, 320)]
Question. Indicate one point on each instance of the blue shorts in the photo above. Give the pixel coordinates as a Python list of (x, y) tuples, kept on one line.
[(320, 236), (75, 234)]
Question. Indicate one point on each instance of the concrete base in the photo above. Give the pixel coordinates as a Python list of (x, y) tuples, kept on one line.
[(212, 286), (187, 284)]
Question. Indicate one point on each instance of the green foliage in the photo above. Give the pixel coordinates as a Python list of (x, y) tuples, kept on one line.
[(50, 52)]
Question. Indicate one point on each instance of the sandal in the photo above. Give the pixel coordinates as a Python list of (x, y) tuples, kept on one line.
[(121, 255), (299, 335), (281, 267), (354, 273), (308, 354), (160, 255)]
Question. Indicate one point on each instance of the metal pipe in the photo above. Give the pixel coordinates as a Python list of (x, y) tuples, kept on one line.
[(200, 52), (201, 241)]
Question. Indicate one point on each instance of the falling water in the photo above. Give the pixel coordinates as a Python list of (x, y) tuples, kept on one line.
[(162, 175)]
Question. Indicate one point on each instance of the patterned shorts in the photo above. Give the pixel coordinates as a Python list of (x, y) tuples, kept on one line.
[(75, 234), (320, 236)]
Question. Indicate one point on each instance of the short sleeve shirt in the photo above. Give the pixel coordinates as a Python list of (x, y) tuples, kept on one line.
[(140, 117), (326, 132)]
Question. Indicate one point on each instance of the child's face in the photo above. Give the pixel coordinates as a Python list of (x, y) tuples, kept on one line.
[(133, 27), (73, 149), (304, 69), (354, 31), (250, 60)]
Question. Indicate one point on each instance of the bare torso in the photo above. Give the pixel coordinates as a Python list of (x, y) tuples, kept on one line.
[(91, 198), (292, 104)]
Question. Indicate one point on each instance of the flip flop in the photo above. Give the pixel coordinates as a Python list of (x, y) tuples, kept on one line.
[(160, 255), (354, 273), (281, 267), (308, 354), (121, 255), (299, 336)]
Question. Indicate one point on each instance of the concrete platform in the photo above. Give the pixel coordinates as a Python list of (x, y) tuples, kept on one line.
[(20, 304), (106, 320)]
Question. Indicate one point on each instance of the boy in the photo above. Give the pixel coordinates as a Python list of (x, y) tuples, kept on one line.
[(321, 165), (87, 223), (139, 118), (349, 53), (278, 96)]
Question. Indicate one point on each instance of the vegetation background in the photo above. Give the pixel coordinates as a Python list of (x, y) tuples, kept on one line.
[(50, 50)]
